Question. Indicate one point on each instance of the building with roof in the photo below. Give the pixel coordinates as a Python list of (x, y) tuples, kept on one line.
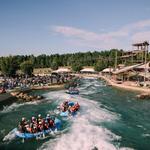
[(89, 70), (62, 70)]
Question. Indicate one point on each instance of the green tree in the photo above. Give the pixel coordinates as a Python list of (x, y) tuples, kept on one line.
[(27, 67), (8, 66), (76, 67), (100, 65), (54, 65)]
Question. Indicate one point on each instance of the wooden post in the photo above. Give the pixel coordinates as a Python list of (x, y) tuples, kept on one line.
[(142, 54), (116, 60), (132, 55), (145, 48), (132, 58)]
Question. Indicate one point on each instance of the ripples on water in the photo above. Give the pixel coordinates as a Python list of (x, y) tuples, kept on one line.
[(14, 106), (94, 125), (85, 132)]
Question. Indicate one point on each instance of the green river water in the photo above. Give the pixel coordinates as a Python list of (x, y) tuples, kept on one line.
[(109, 119)]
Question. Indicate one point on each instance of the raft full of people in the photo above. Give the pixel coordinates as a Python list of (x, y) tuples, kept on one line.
[(68, 108), (37, 126)]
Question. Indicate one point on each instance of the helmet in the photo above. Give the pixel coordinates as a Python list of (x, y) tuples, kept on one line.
[(39, 115), (23, 119), (33, 118), (47, 115)]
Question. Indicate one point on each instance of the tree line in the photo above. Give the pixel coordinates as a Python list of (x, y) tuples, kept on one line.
[(98, 59)]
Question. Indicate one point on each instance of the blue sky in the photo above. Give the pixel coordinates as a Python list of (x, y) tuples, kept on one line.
[(64, 26)]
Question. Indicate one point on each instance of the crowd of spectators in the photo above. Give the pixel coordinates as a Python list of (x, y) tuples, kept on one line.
[(27, 82)]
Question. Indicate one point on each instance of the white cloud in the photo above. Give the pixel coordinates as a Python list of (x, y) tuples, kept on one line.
[(131, 32), (76, 33), (141, 36), (86, 35)]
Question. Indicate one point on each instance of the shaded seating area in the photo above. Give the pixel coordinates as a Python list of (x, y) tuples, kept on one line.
[(88, 70)]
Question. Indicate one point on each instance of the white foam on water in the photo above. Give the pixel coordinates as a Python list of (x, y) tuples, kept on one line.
[(146, 135), (92, 87), (10, 136), (140, 126), (83, 136), (87, 84), (99, 85), (58, 96), (90, 78), (84, 133), (87, 93), (14, 106), (126, 148)]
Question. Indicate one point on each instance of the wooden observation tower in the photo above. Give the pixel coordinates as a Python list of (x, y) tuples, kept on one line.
[(138, 53), (143, 47)]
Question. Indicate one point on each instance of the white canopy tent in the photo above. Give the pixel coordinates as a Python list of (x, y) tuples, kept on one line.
[(107, 70), (88, 70), (63, 70)]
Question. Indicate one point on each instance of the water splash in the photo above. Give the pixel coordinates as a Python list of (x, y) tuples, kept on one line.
[(126, 148), (146, 135), (14, 106), (84, 133), (10, 136)]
